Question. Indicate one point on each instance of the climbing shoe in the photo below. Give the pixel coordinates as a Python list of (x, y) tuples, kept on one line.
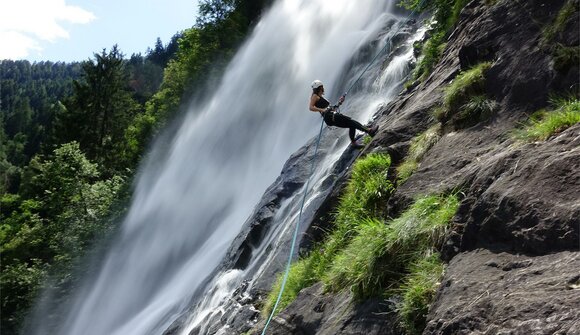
[(373, 130)]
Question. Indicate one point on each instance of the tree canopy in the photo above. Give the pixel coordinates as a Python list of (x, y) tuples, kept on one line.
[(71, 136)]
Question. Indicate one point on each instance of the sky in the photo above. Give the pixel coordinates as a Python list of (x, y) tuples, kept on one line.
[(73, 30)]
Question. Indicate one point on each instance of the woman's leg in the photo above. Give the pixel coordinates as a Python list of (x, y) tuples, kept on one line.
[(344, 121)]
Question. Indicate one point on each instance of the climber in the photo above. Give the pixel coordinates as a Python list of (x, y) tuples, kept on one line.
[(332, 118)]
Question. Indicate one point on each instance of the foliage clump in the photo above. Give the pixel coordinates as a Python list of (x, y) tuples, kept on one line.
[(544, 124), (374, 256), (418, 290), (446, 15), (379, 253), (464, 102), (70, 208), (368, 188)]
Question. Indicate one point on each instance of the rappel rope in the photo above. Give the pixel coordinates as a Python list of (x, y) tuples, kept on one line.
[(295, 235)]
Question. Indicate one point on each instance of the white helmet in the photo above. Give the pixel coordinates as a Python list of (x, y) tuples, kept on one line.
[(316, 84)]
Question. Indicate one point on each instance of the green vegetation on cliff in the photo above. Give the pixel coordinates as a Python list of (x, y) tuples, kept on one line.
[(544, 124), (369, 254), (418, 291), (368, 188), (564, 15), (464, 101), (445, 16), (379, 254), (71, 136)]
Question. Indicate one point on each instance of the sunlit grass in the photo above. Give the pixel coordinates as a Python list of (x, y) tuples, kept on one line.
[(466, 84), (367, 189), (418, 291), (543, 125), (379, 253), (464, 101)]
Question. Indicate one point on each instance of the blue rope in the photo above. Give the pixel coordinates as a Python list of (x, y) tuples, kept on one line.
[(295, 237)]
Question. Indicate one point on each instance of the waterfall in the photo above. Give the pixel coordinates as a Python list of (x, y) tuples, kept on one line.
[(193, 196)]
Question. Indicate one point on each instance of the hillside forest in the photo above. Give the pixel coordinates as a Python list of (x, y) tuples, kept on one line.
[(72, 136)]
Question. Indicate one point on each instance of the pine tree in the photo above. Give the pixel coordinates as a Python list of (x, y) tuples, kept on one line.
[(100, 109)]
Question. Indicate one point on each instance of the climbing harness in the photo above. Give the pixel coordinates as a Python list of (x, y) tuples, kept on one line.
[(295, 235)]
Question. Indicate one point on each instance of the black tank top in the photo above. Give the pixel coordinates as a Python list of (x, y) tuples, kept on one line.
[(322, 103)]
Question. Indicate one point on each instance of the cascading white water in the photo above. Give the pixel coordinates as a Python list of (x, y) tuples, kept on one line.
[(190, 205)]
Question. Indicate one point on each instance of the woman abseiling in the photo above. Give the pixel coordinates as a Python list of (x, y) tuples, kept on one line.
[(319, 104)]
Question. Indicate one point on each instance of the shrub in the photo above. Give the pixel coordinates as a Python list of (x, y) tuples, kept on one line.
[(379, 253), (20, 284), (545, 124), (418, 291), (419, 147)]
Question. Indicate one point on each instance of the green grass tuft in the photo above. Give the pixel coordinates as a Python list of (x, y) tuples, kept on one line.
[(418, 291), (359, 264), (302, 274), (478, 108), (464, 102), (379, 253), (466, 84), (406, 169), (545, 124), (431, 53), (446, 15), (419, 147), (367, 188)]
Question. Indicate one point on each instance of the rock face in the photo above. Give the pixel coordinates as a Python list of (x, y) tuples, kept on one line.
[(314, 312), (520, 295), (514, 250)]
